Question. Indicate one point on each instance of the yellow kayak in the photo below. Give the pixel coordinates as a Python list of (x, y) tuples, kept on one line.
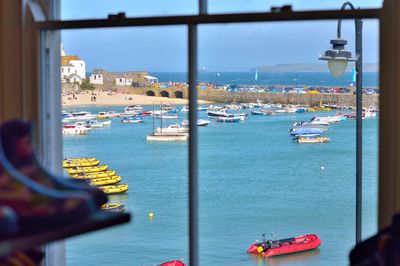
[(80, 159), (92, 169), (83, 175), (80, 163), (114, 189), (105, 181), (113, 207)]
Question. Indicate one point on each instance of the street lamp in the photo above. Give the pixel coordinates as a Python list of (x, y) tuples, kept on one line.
[(337, 58)]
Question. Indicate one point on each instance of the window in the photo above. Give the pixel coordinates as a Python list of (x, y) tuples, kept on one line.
[(193, 150)]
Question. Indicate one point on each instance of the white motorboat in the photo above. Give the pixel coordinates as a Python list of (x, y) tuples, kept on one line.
[(220, 113), (98, 124), (80, 116), (131, 111), (368, 114), (135, 107), (166, 116), (174, 128), (326, 119), (113, 114), (168, 137), (77, 124), (200, 122), (78, 130), (95, 124), (185, 109)]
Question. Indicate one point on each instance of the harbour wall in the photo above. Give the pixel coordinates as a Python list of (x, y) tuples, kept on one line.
[(288, 98), (221, 96)]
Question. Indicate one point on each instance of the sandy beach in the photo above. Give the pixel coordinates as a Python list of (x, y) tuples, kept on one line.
[(103, 99)]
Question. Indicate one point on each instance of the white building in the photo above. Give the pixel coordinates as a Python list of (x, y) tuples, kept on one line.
[(150, 79), (96, 79), (72, 64), (74, 78), (123, 82)]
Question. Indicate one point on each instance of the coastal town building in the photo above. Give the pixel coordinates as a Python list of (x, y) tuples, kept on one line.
[(123, 81), (73, 68), (129, 78), (96, 79)]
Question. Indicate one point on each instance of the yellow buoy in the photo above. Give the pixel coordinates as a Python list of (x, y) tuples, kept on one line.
[(151, 215)]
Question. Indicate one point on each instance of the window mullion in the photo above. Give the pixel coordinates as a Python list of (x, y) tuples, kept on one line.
[(193, 180)]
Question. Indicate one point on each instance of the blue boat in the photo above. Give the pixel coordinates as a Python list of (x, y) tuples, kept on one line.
[(131, 120), (300, 110), (256, 112), (234, 119), (304, 131), (220, 113)]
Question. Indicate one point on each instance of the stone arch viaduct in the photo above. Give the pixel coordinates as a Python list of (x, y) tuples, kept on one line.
[(171, 92)]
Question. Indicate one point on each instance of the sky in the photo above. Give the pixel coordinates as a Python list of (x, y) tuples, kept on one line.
[(222, 47)]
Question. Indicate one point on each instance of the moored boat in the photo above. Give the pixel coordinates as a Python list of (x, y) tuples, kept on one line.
[(168, 137), (173, 128), (200, 122), (113, 114), (94, 175), (312, 139), (233, 119), (163, 116), (93, 169), (79, 163), (326, 119), (131, 120), (79, 159), (220, 113), (102, 116), (305, 130), (76, 130), (173, 263), (269, 248), (114, 189), (302, 124), (113, 207), (110, 180)]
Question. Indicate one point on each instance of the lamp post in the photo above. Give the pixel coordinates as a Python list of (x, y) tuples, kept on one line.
[(337, 58)]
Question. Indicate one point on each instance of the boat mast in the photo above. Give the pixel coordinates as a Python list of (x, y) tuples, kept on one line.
[(153, 118), (161, 113)]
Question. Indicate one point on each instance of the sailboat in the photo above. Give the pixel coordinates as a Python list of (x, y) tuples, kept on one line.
[(256, 75), (167, 134)]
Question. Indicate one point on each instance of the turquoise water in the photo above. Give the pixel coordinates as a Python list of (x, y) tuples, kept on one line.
[(370, 79), (253, 179)]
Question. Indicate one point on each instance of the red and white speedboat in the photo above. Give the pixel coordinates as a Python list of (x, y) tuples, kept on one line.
[(269, 248)]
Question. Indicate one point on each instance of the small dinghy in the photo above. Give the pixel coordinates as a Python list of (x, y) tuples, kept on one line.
[(113, 207), (269, 248), (114, 189), (131, 120)]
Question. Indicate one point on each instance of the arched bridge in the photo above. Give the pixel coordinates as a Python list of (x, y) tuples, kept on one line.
[(171, 92)]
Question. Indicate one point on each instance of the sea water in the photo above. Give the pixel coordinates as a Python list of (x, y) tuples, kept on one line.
[(370, 79), (253, 179)]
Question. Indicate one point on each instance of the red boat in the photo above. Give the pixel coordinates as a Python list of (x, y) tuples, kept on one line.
[(269, 248), (173, 263), (145, 113)]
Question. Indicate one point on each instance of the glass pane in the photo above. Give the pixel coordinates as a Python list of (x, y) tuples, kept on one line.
[(242, 6), (76, 9), (255, 177), (112, 76)]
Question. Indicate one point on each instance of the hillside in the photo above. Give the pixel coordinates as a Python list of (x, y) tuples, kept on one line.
[(368, 67)]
